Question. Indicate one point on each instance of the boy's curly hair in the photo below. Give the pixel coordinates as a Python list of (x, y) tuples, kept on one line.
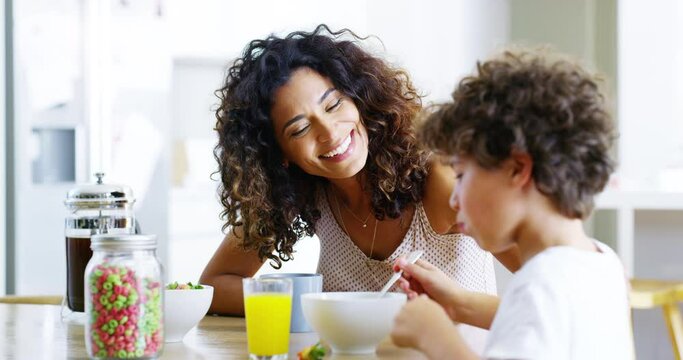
[(276, 205), (538, 103)]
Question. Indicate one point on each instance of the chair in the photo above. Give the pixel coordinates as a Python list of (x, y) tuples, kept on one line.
[(38, 299), (648, 294)]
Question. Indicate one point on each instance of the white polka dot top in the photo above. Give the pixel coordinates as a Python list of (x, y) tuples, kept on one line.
[(346, 268)]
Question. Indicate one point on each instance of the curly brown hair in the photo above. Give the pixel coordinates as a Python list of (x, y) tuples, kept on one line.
[(276, 205), (536, 102)]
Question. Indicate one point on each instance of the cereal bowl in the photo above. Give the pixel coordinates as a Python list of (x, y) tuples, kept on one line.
[(183, 309), (352, 322)]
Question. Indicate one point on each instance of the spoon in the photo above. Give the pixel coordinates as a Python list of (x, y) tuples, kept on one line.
[(411, 259)]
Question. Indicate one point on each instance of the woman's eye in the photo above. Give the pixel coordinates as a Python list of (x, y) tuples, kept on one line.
[(458, 176), (335, 105), (300, 131)]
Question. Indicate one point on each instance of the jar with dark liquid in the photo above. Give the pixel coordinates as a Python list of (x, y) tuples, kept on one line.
[(93, 209)]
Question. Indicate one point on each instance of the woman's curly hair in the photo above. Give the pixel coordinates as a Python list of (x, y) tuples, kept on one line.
[(535, 102), (276, 205)]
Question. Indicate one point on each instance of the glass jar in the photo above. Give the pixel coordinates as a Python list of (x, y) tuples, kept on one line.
[(124, 298), (93, 209)]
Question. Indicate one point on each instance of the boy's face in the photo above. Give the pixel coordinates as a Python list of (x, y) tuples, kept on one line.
[(485, 202)]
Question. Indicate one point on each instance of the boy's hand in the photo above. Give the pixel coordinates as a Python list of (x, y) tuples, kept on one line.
[(422, 324), (424, 278)]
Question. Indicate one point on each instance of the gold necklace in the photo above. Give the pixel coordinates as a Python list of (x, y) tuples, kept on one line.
[(363, 222), (341, 218), (369, 260)]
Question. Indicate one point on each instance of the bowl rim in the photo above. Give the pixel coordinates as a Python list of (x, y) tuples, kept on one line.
[(206, 287), (322, 296)]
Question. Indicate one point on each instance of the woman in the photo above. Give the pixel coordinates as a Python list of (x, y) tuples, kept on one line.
[(316, 137)]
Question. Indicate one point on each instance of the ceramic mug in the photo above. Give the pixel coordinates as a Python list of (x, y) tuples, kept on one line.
[(302, 283)]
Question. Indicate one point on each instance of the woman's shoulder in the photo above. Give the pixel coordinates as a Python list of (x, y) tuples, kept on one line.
[(440, 182)]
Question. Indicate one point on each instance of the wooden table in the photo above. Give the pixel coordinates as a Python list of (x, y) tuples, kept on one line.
[(38, 332)]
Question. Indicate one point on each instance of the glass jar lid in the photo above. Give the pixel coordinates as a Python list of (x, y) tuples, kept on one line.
[(99, 195), (123, 242)]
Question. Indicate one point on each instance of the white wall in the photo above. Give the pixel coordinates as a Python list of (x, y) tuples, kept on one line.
[(220, 29), (650, 92), (3, 121), (439, 42)]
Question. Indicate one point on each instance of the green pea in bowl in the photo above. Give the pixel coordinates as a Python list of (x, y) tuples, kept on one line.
[(184, 306)]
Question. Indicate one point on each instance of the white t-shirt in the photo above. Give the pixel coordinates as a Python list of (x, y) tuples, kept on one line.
[(564, 303)]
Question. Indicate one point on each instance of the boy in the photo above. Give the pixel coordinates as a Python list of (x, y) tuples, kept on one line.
[(528, 137)]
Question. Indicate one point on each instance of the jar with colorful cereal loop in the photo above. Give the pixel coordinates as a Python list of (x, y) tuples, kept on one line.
[(123, 298)]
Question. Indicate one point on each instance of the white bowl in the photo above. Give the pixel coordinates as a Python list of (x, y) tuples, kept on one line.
[(352, 322), (183, 309)]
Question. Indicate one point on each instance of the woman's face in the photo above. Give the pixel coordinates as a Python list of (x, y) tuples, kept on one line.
[(318, 128)]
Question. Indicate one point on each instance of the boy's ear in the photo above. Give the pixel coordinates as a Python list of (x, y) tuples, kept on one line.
[(521, 167)]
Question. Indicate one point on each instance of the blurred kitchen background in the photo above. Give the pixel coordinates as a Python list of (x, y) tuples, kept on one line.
[(126, 87)]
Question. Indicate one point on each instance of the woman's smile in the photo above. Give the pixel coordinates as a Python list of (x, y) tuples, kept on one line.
[(342, 151)]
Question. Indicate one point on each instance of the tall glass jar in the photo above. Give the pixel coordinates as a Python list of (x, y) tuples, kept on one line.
[(92, 209), (124, 298)]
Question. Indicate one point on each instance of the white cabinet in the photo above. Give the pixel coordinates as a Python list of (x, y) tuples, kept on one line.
[(619, 229)]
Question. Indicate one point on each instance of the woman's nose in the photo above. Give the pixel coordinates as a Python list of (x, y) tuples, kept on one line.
[(326, 131)]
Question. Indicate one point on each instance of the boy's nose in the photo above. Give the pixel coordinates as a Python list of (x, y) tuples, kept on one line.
[(453, 201)]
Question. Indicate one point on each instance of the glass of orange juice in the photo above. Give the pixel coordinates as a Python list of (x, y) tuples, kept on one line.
[(267, 309)]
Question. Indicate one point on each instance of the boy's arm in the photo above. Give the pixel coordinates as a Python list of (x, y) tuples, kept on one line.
[(453, 348), (423, 325), (473, 308)]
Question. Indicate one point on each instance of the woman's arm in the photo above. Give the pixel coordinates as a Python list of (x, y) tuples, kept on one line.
[(442, 217), (225, 271)]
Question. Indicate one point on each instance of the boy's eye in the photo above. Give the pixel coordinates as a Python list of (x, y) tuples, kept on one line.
[(335, 105)]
